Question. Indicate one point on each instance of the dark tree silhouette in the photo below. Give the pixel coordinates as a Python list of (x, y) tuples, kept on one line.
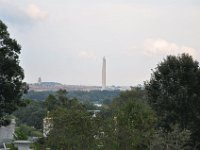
[(12, 86), (174, 92)]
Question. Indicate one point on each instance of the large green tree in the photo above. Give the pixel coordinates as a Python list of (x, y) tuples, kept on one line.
[(73, 126), (134, 121), (174, 92), (12, 86), (73, 129), (32, 115)]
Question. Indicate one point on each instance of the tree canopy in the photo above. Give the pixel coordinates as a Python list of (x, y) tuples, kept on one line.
[(72, 124), (12, 86), (135, 120), (174, 92)]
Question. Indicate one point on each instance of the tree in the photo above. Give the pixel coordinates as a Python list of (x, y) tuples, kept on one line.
[(32, 115), (73, 126), (174, 93), (174, 140), (134, 119), (135, 93), (60, 99), (23, 131), (12, 86), (72, 129)]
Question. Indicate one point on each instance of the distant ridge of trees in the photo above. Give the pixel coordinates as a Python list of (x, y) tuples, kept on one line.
[(90, 96)]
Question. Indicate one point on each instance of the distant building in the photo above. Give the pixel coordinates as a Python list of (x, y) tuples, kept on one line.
[(104, 74)]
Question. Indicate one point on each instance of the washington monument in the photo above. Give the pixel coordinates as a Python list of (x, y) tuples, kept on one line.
[(104, 74)]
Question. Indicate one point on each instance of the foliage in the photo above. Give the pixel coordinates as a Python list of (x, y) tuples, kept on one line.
[(72, 124), (37, 95), (174, 93), (11, 74), (11, 147), (23, 132), (126, 96), (60, 99), (89, 106), (94, 96), (127, 123), (104, 126), (134, 121), (32, 114), (83, 96), (20, 134), (72, 129), (174, 140)]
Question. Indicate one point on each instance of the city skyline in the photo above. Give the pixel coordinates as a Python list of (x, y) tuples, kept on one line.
[(64, 41)]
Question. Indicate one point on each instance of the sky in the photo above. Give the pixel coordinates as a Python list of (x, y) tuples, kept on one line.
[(65, 40)]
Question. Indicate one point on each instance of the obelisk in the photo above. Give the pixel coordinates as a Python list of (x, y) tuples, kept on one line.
[(104, 74)]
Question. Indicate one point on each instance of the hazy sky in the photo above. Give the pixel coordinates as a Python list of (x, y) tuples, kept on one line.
[(65, 40)]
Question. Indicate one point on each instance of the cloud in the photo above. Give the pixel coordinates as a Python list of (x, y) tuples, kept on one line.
[(154, 47), (21, 15), (35, 12), (86, 55)]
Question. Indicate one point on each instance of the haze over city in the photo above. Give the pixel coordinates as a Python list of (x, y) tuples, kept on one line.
[(65, 41)]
